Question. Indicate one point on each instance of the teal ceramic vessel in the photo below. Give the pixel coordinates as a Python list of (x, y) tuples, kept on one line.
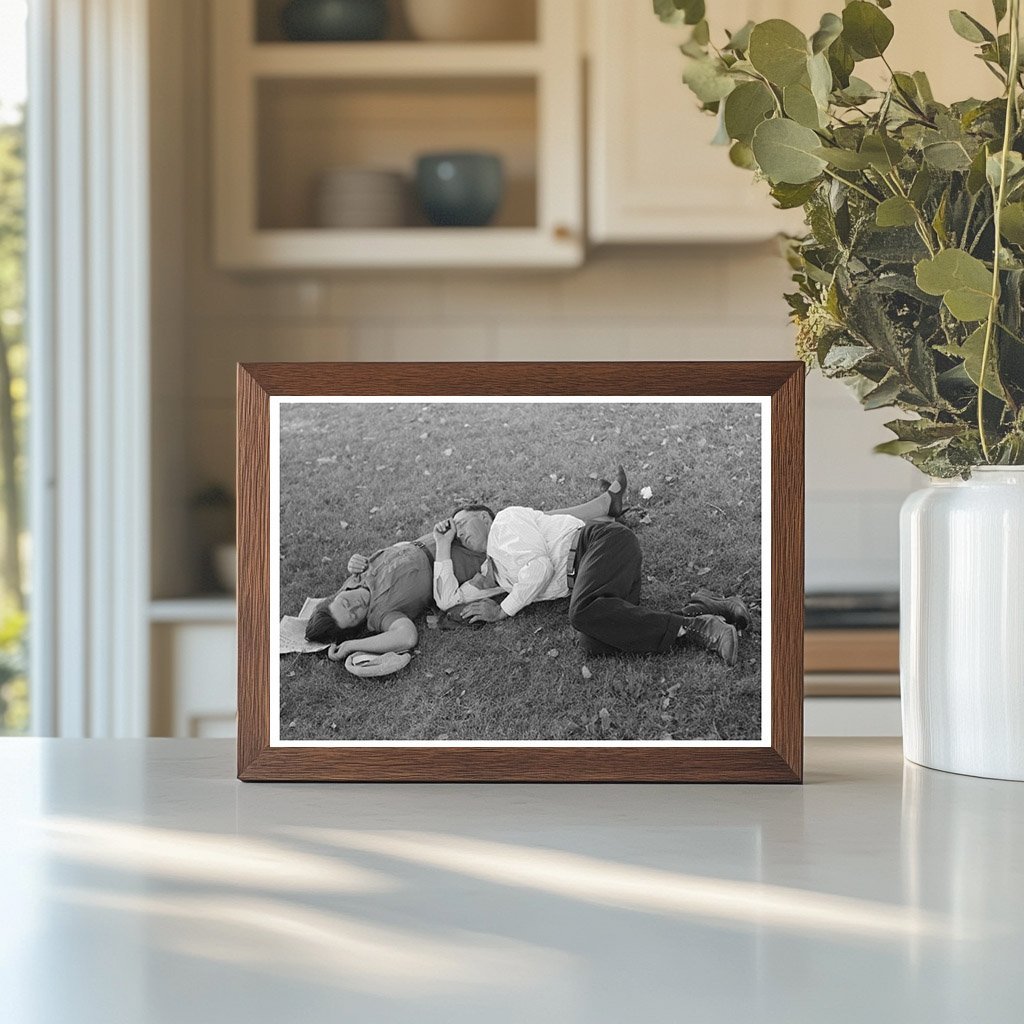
[(461, 190), (334, 21)]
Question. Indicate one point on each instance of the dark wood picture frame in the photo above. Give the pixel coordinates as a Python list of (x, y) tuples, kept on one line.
[(780, 761)]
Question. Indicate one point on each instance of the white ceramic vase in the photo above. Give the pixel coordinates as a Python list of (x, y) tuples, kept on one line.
[(962, 624)]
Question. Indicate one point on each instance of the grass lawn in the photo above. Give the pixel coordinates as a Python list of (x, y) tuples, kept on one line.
[(360, 477)]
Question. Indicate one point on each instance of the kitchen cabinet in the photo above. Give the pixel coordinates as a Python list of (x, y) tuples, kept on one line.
[(287, 113), (653, 175), (193, 669)]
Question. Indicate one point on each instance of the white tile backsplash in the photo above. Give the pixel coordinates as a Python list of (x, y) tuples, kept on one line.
[(717, 302)]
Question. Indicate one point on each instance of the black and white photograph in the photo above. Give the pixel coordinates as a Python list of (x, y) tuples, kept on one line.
[(460, 571)]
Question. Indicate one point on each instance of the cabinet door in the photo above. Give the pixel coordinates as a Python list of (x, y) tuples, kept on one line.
[(654, 175)]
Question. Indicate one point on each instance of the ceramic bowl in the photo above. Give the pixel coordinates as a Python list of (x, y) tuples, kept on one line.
[(460, 189), (471, 20), (334, 20), (358, 197)]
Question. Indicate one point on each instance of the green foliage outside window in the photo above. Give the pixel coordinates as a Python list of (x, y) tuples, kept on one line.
[(13, 412)]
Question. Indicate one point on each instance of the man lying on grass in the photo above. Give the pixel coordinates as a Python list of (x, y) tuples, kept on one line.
[(536, 556), (385, 592)]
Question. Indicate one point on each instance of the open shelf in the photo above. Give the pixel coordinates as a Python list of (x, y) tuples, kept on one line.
[(286, 114), (308, 127), (521, 17), (393, 60)]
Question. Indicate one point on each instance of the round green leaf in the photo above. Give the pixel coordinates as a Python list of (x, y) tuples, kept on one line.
[(743, 156), (1012, 225), (801, 106), (968, 28), (896, 212), (674, 12), (708, 81), (778, 50), (844, 159), (961, 279), (820, 75), (829, 31), (882, 152), (866, 29), (947, 156), (972, 353), (785, 152), (740, 39), (747, 106)]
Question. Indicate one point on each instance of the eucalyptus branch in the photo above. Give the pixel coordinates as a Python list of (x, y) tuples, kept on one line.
[(923, 227), (1000, 199), (853, 185), (981, 231)]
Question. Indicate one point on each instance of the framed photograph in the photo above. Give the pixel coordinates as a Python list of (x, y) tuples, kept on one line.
[(520, 572)]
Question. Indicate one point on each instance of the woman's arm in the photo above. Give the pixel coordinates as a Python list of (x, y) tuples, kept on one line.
[(400, 635)]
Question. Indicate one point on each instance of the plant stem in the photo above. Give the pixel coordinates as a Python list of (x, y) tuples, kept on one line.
[(993, 309), (855, 187), (922, 225)]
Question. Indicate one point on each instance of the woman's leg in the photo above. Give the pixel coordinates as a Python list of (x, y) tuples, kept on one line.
[(595, 509), (606, 506)]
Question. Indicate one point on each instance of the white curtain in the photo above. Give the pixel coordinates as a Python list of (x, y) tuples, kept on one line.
[(88, 317)]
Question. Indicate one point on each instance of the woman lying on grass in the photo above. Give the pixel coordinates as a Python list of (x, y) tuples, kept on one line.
[(385, 592)]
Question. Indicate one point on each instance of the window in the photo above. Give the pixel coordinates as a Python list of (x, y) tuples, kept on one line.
[(14, 548)]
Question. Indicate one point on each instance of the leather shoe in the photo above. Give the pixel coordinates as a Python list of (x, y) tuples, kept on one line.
[(713, 634), (732, 609), (617, 498)]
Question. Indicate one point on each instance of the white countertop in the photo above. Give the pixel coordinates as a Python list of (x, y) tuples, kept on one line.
[(143, 885)]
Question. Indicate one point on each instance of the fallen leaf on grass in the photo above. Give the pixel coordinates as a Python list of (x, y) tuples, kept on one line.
[(586, 673)]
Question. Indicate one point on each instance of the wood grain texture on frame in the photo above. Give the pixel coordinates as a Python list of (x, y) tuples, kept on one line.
[(782, 761)]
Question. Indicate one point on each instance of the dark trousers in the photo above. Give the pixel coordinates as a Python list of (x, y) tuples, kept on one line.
[(604, 605)]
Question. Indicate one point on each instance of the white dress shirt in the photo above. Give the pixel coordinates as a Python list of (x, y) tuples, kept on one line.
[(528, 555)]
